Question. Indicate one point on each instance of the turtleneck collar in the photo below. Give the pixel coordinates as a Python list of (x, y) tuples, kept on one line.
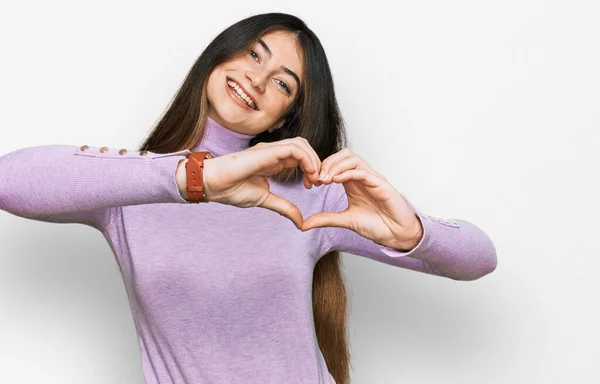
[(220, 140)]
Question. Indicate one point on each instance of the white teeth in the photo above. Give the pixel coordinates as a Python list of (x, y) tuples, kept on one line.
[(241, 95)]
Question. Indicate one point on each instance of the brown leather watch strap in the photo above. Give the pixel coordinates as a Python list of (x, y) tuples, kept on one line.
[(194, 168)]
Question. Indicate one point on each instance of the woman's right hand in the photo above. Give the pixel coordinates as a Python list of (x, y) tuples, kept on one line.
[(240, 178)]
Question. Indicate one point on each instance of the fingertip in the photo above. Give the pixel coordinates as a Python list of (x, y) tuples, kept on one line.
[(297, 223), (307, 182)]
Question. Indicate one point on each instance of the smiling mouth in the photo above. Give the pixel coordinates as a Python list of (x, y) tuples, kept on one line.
[(241, 95)]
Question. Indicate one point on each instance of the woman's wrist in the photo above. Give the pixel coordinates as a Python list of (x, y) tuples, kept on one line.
[(207, 170), (181, 178)]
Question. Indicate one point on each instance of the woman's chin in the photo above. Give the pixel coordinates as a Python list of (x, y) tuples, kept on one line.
[(236, 121)]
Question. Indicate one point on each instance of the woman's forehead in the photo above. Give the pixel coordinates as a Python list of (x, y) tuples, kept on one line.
[(283, 46)]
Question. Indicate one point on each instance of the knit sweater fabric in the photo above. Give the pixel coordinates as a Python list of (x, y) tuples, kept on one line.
[(218, 293)]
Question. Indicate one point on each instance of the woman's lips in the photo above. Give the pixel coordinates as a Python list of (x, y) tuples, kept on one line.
[(232, 93)]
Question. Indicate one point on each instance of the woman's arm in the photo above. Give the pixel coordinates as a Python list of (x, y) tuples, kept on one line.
[(70, 184), (456, 249)]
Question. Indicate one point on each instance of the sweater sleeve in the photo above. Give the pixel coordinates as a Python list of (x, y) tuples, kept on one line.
[(70, 184), (456, 249)]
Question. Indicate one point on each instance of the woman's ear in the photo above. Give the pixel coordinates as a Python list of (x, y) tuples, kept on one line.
[(277, 126)]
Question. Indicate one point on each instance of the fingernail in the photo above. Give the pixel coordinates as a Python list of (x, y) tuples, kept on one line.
[(322, 175)]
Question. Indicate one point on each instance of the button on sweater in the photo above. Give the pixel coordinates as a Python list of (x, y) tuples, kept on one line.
[(219, 294)]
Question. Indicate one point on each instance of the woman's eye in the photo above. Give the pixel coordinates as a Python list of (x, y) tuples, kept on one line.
[(254, 54), (284, 85)]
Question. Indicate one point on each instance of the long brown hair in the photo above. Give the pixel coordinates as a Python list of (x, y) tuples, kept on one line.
[(314, 115)]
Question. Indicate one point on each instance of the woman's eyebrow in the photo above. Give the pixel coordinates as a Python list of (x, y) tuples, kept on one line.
[(285, 69)]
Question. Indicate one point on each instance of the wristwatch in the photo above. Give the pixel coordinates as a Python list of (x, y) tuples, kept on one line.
[(194, 168)]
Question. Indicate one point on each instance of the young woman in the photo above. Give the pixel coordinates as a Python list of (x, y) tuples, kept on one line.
[(230, 292)]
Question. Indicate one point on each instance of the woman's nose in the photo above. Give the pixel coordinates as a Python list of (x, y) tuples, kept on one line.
[(258, 79)]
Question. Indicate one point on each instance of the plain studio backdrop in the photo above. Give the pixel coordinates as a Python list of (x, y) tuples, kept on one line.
[(482, 111)]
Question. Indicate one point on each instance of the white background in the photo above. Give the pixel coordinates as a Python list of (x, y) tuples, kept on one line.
[(476, 110)]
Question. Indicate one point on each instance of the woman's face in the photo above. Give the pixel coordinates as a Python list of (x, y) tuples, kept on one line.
[(267, 78)]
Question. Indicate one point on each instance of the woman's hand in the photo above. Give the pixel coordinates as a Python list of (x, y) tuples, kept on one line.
[(376, 210), (240, 178)]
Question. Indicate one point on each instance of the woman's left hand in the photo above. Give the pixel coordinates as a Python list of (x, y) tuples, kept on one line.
[(376, 210)]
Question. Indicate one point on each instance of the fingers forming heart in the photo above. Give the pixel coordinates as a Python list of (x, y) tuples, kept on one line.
[(284, 207)]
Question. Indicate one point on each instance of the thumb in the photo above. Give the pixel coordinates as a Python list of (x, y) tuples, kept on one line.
[(325, 219), (284, 207)]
